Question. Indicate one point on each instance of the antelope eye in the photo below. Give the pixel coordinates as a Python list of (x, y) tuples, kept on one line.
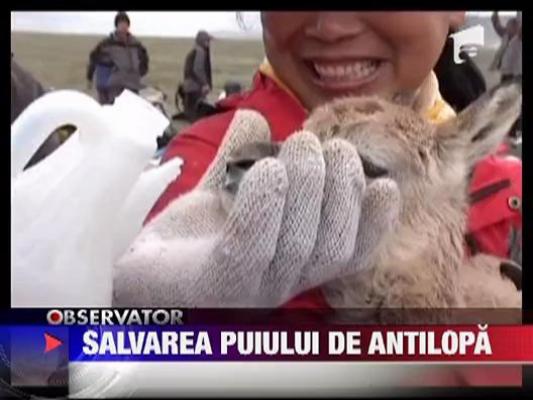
[(244, 164), (372, 170)]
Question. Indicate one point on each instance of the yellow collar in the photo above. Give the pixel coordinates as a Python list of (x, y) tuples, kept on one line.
[(439, 112), (266, 69)]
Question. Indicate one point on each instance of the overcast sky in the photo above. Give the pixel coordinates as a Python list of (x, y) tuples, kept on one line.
[(155, 23), (160, 23)]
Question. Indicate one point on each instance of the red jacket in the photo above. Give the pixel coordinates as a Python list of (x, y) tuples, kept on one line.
[(498, 210), (490, 218)]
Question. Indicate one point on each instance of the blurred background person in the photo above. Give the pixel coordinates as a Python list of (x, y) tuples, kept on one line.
[(511, 69), (197, 83), (511, 63), (230, 88), (506, 33), (120, 61)]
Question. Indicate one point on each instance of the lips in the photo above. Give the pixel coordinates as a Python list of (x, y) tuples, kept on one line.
[(346, 71), (344, 75)]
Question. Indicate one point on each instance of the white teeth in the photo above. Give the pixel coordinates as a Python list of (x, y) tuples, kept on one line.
[(354, 70)]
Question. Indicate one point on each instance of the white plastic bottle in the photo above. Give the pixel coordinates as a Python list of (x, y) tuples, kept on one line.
[(75, 212)]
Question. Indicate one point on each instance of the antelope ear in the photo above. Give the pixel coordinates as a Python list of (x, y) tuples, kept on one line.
[(479, 129)]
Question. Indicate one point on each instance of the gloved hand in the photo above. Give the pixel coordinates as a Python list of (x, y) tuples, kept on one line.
[(296, 222)]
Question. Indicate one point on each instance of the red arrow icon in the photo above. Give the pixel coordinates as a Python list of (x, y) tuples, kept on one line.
[(51, 342)]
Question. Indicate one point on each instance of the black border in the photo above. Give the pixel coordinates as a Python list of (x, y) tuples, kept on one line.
[(213, 5)]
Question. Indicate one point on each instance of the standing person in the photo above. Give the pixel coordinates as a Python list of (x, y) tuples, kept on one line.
[(197, 75), (506, 33), (120, 61)]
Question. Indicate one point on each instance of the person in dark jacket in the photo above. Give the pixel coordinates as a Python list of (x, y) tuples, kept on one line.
[(24, 90), (197, 75), (120, 61)]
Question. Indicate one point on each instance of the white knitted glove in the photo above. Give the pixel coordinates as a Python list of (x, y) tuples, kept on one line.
[(296, 222)]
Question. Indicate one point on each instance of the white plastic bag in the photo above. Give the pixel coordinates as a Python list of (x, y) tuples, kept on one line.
[(75, 213)]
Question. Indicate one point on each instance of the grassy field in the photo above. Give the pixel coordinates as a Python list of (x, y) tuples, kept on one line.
[(60, 61)]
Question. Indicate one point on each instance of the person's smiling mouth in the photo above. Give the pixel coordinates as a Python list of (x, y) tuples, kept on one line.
[(348, 74)]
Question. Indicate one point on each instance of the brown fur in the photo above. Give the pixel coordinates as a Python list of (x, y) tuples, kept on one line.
[(422, 264)]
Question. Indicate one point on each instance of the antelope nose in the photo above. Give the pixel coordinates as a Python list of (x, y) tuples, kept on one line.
[(234, 175)]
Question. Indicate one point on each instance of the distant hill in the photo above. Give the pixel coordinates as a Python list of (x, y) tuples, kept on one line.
[(241, 35)]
